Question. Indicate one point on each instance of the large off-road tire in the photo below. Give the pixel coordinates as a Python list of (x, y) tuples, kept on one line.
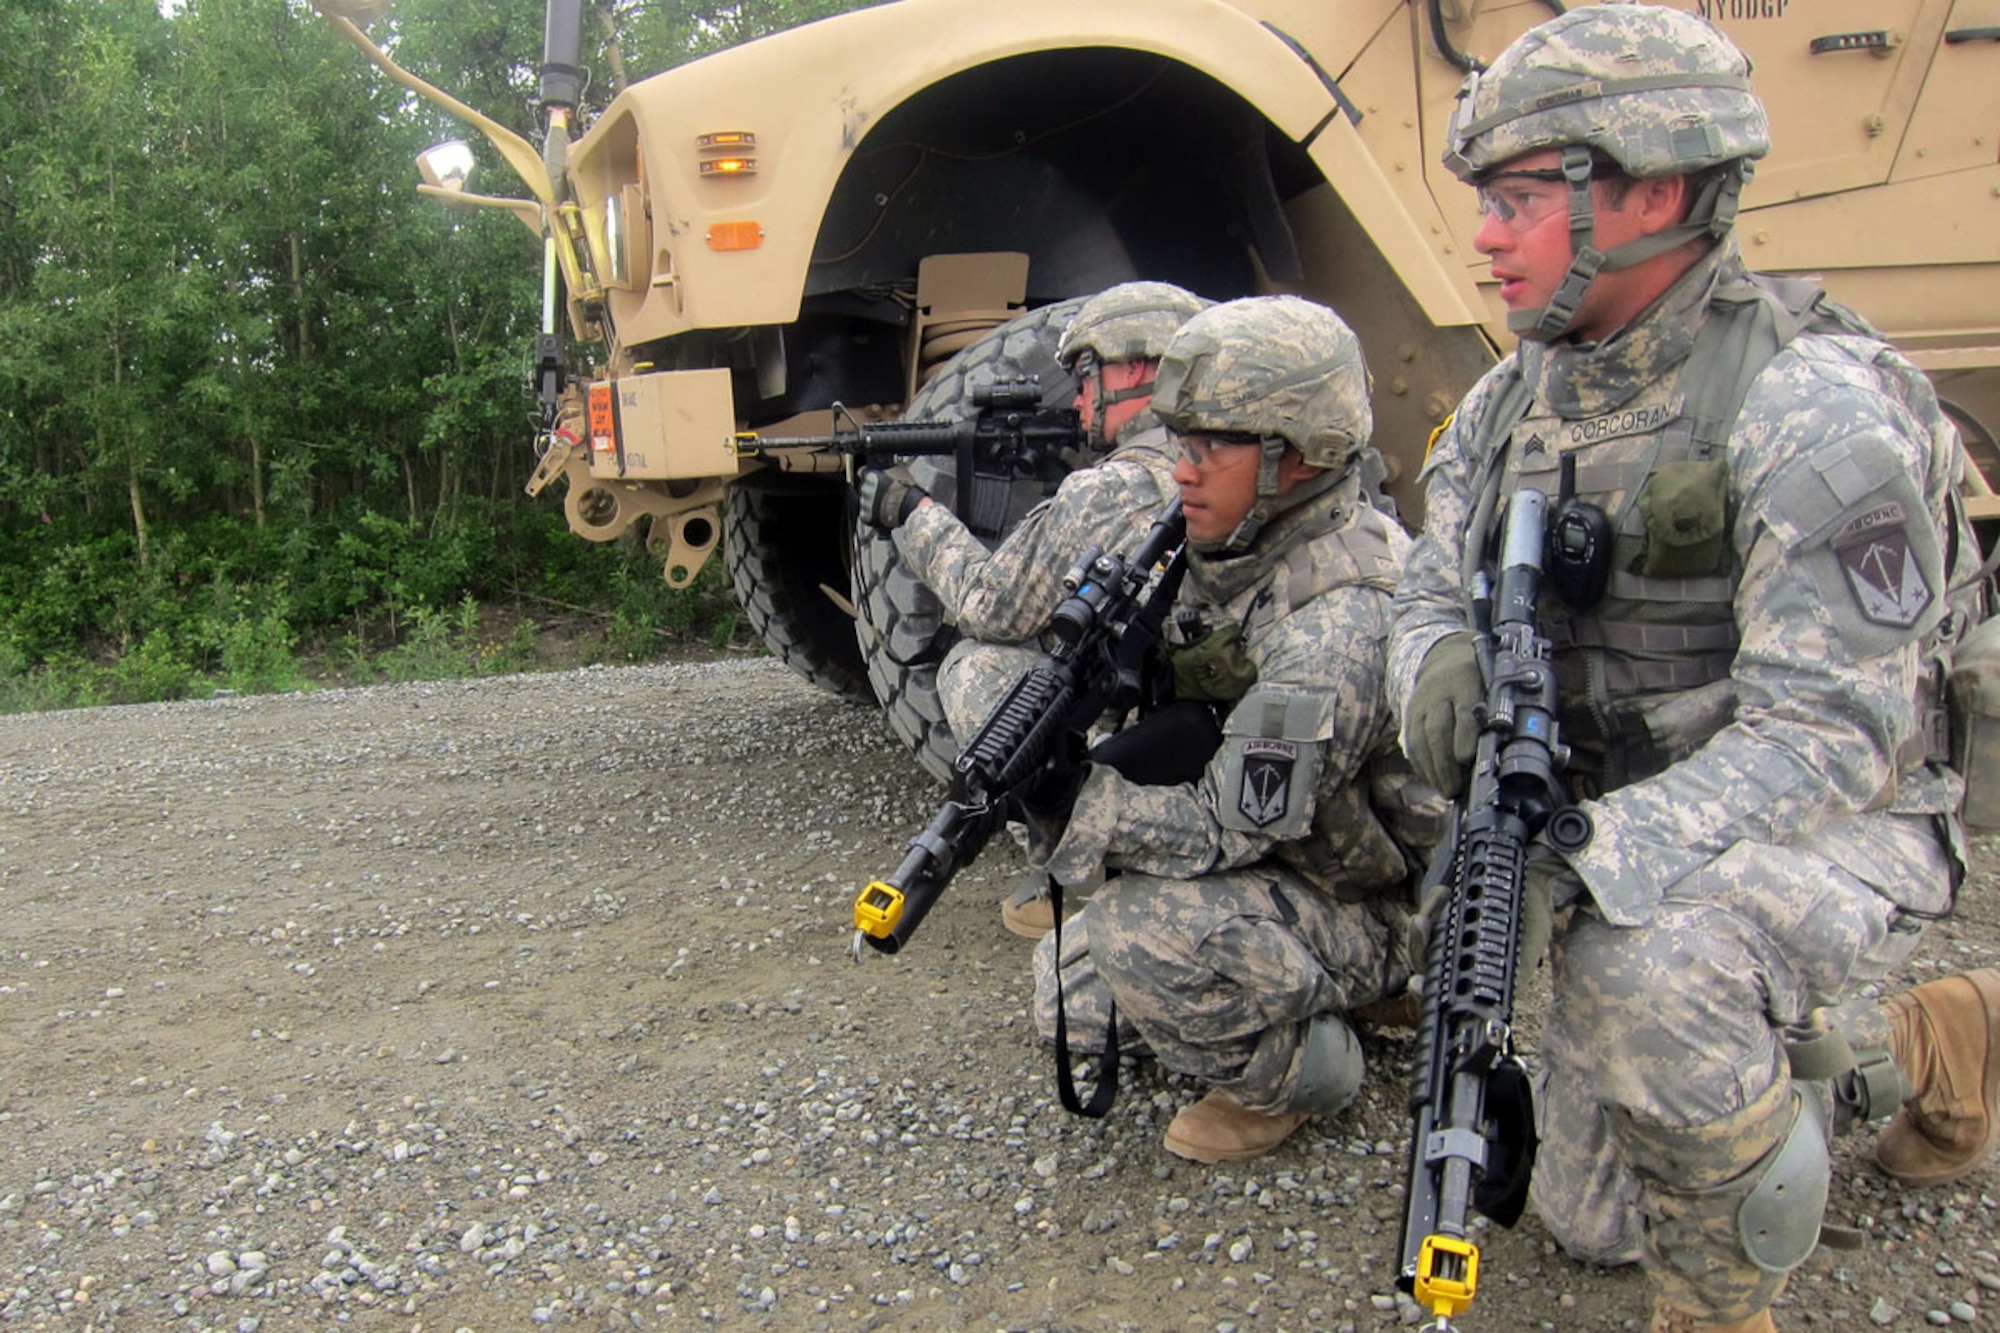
[(783, 546), (901, 628)]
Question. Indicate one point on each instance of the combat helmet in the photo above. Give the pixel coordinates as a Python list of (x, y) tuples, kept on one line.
[(1131, 321), (1656, 91), (1281, 368)]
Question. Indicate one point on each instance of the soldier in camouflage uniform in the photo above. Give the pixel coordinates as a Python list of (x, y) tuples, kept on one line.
[(1747, 671), (1255, 902), (1001, 600)]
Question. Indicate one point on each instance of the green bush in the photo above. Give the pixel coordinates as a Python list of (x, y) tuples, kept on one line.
[(353, 594), (257, 653), (151, 672), (440, 645)]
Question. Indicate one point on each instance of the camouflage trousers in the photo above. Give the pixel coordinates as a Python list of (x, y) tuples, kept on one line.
[(973, 677), (1664, 1084), (1219, 976)]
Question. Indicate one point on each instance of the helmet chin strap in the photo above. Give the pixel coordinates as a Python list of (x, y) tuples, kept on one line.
[(1553, 320), (1103, 400), (1712, 213), (1089, 371), (1266, 508)]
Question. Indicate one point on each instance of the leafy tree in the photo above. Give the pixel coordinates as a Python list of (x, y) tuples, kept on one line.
[(247, 375)]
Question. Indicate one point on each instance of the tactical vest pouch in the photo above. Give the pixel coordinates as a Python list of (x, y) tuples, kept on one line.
[(1686, 508), (1975, 723), (1216, 668)]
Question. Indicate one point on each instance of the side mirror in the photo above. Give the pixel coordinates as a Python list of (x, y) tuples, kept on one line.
[(446, 166)]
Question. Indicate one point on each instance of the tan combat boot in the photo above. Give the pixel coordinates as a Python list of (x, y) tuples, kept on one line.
[(1218, 1128), (1404, 1011), (1667, 1319), (1029, 912), (1945, 1037)]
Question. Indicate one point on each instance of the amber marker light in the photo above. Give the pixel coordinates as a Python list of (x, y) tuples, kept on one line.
[(735, 235)]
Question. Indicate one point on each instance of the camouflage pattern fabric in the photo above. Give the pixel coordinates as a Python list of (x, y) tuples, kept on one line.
[(1230, 922), (1781, 860), (1007, 595), (974, 676), (1281, 367), (1219, 976), (1660, 1035), (1129, 322), (1657, 90)]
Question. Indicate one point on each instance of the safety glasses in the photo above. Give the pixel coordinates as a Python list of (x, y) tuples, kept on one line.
[(1206, 449), (1524, 199)]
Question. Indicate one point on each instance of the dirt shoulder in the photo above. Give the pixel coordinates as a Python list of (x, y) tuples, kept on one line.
[(527, 1002)]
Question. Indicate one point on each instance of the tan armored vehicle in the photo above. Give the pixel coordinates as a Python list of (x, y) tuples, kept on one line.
[(831, 214)]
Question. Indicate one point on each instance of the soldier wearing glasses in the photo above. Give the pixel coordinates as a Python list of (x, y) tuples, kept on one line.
[(1255, 902), (1756, 596)]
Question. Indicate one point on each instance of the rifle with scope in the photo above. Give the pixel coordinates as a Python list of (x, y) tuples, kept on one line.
[(1099, 640), (1473, 1138), (1011, 436)]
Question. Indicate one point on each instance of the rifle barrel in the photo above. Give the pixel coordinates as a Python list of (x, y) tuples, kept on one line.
[(1114, 621), (1472, 1141)]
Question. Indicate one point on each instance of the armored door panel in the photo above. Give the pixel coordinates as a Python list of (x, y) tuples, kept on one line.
[(1956, 124)]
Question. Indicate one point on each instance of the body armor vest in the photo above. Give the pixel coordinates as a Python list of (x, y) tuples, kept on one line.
[(1643, 674)]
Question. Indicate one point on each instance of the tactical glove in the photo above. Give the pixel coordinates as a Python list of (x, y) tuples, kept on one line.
[(1046, 798), (889, 496), (1442, 734)]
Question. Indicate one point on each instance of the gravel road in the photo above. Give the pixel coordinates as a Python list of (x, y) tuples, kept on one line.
[(527, 1002)]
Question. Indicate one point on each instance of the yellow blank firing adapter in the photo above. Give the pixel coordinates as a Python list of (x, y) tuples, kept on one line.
[(878, 909), (1447, 1275)]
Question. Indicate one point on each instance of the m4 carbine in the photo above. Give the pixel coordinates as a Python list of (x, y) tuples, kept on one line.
[(1099, 640), (1011, 437), (1473, 1138)]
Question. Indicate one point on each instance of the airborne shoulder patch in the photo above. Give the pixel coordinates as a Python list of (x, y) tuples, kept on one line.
[(1889, 586), (1264, 793)]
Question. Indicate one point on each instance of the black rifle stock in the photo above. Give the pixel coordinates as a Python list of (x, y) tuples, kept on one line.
[(1010, 436), (1102, 633), (1473, 1137)]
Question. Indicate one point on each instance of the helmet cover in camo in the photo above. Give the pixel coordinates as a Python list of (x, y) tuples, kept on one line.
[(1658, 91), (1132, 321), (1280, 367)]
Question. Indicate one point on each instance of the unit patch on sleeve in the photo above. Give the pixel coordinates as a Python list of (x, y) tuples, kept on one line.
[(1888, 585), (1264, 794)]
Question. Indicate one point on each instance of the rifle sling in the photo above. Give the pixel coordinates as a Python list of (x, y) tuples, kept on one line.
[(1107, 1068)]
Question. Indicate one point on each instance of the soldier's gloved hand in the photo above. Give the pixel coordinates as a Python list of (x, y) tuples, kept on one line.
[(889, 496), (1442, 734), (1047, 797)]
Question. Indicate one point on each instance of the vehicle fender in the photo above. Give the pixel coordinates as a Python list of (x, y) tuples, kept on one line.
[(811, 94)]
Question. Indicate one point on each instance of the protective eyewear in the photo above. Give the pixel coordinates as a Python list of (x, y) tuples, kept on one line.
[(1200, 450), (1524, 199)]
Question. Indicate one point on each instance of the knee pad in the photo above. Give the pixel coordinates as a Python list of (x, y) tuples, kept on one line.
[(1779, 1219), (1713, 1208), (1330, 1067)]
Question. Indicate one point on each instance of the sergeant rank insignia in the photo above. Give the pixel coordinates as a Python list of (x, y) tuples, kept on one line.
[(1266, 790), (1888, 584)]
